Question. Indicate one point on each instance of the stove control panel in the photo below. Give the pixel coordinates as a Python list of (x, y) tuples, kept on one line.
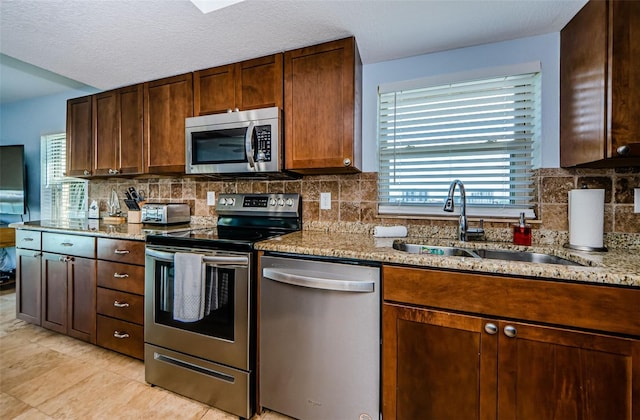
[(232, 204)]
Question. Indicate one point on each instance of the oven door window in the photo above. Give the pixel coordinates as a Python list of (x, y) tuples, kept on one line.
[(219, 301), (218, 146)]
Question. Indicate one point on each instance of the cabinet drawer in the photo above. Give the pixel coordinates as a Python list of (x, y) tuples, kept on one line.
[(125, 277), (60, 243), (121, 336), (28, 239), (121, 250), (546, 301), (121, 305)]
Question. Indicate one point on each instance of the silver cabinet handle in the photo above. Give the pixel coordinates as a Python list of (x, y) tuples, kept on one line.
[(37, 254), (120, 304), (120, 276), (121, 251), (113, 171), (623, 150), (490, 328), (86, 172), (65, 259), (346, 162), (510, 331), (27, 239), (296, 279), (66, 244), (118, 334)]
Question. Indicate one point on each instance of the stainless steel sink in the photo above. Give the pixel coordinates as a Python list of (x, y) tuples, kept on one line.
[(444, 251), (492, 254), (533, 257)]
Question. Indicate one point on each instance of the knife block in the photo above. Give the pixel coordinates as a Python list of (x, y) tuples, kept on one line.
[(134, 216)]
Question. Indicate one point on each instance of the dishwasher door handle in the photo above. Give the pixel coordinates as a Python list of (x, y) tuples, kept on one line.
[(283, 276)]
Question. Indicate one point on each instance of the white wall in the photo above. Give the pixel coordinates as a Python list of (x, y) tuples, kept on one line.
[(543, 48)]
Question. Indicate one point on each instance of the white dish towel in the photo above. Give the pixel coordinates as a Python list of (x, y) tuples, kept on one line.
[(189, 287)]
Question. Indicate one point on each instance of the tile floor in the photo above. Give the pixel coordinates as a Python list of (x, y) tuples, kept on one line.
[(45, 375)]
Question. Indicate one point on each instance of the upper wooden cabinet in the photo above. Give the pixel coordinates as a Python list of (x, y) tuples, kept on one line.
[(322, 105), (600, 86), (251, 84), (118, 131), (167, 103), (79, 137)]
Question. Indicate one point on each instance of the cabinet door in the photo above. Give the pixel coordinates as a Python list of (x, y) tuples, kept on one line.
[(131, 150), (79, 136), (54, 292), (322, 108), (259, 83), (599, 86), (81, 298), (549, 373), (437, 365), (106, 125), (28, 272), (624, 79), (214, 90), (169, 101)]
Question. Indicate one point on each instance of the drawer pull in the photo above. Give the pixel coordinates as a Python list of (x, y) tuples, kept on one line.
[(27, 239), (490, 328), (37, 254), (67, 244), (121, 251), (118, 334), (120, 304), (510, 331), (120, 276), (66, 259)]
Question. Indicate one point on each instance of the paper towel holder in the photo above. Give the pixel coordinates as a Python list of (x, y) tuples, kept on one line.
[(586, 248)]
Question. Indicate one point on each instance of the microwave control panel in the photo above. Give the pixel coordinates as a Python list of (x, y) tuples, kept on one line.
[(263, 140)]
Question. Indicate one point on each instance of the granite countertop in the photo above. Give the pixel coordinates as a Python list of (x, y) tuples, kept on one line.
[(96, 227), (616, 267)]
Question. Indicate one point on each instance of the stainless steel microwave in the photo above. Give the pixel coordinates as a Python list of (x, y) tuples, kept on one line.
[(239, 143)]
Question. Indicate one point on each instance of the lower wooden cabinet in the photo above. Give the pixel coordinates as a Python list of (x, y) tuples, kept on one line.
[(443, 364), (28, 290), (121, 336), (68, 295), (120, 296)]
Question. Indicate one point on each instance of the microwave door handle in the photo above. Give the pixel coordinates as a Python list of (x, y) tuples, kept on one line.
[(248, 145)]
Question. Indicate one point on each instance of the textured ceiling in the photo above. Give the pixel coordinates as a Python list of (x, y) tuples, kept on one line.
[(112, 43)]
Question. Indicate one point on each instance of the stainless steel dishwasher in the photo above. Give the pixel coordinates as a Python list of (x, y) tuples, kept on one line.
[(319, 339)]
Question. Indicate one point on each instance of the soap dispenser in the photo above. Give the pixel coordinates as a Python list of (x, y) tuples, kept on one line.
[(522, 232)]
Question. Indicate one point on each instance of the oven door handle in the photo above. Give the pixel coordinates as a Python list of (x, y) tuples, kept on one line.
[(168, 257), (295, 279)]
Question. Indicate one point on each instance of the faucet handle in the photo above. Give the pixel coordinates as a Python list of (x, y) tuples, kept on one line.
[(476, 233)]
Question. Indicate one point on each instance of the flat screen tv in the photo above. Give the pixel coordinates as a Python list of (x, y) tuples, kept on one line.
[(13, 182)]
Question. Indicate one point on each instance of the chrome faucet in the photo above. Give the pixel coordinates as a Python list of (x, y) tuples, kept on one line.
[(464, 232)]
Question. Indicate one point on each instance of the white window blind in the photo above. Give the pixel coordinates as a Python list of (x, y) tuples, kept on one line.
[(483, 132), (61, 197)]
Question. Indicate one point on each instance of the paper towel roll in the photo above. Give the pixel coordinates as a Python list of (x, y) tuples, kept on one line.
[(586, 218), (390, 231)]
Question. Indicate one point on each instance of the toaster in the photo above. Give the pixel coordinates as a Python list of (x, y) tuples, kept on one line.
[(165, 213)]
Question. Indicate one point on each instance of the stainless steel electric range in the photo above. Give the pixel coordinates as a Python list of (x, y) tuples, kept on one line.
[(200, 301)]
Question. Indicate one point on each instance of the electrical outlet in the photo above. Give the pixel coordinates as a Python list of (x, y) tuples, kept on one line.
[(636, 200), (325, 201), (211, 198)]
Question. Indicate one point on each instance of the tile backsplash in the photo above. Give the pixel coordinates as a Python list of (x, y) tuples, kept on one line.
[(354, 202)]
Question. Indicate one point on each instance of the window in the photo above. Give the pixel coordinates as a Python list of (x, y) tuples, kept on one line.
[(60, 197), (482, 131)]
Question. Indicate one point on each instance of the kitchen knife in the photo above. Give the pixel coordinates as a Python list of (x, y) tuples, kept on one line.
[(134, 194), (126, 193), (132, 204)]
